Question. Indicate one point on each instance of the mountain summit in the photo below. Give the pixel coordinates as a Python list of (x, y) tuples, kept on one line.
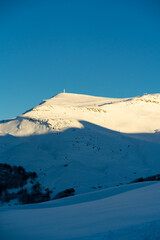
[(67, 110)]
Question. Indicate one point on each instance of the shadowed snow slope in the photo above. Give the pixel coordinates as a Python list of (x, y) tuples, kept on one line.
[(133, 215)]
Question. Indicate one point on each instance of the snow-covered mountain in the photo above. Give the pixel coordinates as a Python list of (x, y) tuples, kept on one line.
[(95, 146), (66, 110), (85, 142)]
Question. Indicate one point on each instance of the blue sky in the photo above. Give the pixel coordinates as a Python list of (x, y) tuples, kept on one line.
[(96, 47)]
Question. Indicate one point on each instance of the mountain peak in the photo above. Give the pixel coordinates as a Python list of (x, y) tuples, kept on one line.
[(67, 110)]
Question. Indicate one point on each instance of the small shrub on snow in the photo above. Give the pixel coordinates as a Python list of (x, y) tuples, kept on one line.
[(150, 178), (36, 195), (66, 193)]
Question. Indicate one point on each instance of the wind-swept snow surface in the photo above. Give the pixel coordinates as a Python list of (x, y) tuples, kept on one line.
[(133, 215)]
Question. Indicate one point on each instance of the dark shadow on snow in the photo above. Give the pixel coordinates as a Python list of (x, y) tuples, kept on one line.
[(44, 150)]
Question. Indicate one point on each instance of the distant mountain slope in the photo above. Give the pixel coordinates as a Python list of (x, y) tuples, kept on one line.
[(85, 142)]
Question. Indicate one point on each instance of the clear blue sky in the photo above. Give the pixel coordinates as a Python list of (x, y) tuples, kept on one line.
[(107, 48)]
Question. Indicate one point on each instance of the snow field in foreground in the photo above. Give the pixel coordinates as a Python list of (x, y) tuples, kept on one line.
[(134, 214)]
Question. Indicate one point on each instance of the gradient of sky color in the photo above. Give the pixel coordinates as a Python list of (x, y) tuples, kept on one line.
[(96, 47)]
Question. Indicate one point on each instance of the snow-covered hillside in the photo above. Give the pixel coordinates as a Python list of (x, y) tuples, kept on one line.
[(118, 213), (85, 142), (66, 110)]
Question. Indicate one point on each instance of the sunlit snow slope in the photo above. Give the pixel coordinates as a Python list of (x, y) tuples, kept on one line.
[(85, 142)]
